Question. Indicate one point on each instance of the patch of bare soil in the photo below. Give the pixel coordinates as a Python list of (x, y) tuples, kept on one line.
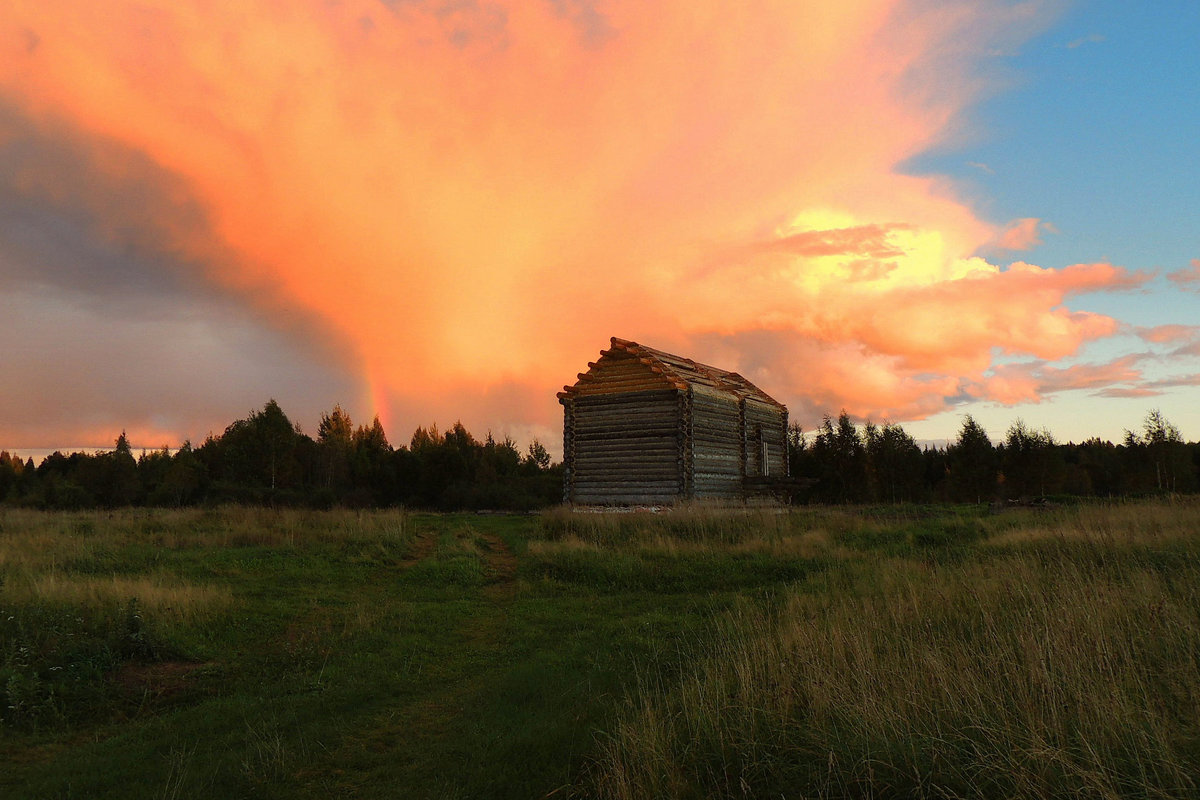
[(423, 546), (502, 567), (159, 683)]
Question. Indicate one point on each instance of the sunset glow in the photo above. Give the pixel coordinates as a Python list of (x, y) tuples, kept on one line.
[(458, 203)]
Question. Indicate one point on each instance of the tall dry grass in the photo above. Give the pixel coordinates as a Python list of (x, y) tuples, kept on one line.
[(38, 540), (83, 593), (162, 595), (1061, 659), (71, 558), (696, 529)]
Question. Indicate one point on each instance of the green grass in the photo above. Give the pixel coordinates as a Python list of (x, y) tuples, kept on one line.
[(877, 652)]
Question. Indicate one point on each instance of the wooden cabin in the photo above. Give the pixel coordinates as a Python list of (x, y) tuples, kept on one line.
[(646, 427)]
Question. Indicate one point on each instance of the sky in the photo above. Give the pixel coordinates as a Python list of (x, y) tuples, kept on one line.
[(440, 210)]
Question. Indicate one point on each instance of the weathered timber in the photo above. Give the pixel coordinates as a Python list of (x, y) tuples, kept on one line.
[(629, 398), (611, 443), (621, 417), (597, 432), (626, 498), (660, 455), (600, 413), (632, 487), (621, 464), (657, 422), (714, 460), (642, 425), (718, 439)]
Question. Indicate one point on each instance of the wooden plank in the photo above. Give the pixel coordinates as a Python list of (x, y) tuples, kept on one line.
[(623, 463), (594, 379), (637, 397), (629, 456), (624, 441), (631, 452), (651, 481), (628, 469), (624, 409), (603, 388), (658, 426), (627, 500), (716, 438), (711, 451), (597, 432), (617, 483), (610, 400), (627, 419), (716, 485)]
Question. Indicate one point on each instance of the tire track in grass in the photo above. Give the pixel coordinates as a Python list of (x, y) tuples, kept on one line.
[(502, 568), (422, 547), (415, 739)]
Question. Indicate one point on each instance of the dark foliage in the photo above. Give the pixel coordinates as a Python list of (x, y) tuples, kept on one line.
[(266, 459), (877, 464)]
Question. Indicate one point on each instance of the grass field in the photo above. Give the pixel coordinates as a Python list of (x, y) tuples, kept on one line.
[(904, 651)]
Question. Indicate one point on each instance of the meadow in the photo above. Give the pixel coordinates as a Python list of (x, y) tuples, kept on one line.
[(891, 651)]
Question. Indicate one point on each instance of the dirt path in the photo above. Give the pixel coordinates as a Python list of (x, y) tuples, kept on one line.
[(422, 548), (502, 566)]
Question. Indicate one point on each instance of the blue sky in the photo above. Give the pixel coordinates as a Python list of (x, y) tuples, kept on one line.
[(1097, 134)]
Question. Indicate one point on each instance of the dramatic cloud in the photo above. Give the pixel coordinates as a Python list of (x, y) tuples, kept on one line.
[(461, 202)]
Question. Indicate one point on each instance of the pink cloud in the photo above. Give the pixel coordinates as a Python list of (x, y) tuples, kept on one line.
[(1173, 383), (1134, 392), (1191, 349), (1023, 234), (1187, 278), (1010, 384), (1168, 334)]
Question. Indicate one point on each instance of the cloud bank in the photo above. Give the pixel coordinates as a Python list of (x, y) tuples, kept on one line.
[(449, 207)]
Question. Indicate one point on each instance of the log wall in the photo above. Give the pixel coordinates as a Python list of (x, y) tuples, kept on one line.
[(716, 451), (636, 431), (623, 448), (765, 431)]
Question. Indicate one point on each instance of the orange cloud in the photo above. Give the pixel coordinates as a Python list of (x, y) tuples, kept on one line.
[(472, 198), (1023, 234), (1168, 334), (1030, 382)]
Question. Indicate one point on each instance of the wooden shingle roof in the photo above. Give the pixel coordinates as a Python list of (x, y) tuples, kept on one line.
[(675, 370)]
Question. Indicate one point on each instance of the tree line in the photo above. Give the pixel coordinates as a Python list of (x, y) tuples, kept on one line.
[(266, 459), (840, 462)]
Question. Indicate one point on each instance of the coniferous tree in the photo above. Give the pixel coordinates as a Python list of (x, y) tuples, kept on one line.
[(258, 457), (894, 463), (372, 468), (840, 452), (11, 468), (971, 464), (184, 479), (335, 445), (537, 458)]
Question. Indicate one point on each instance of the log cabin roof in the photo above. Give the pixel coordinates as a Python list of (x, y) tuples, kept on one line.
[(674, 370)]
